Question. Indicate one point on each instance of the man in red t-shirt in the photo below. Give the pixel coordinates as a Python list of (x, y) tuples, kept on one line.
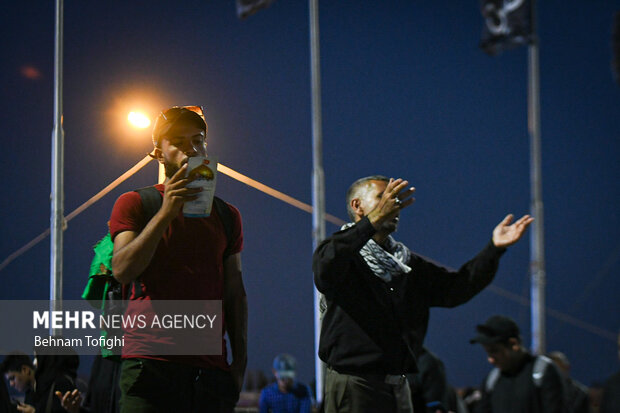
[(180, 258)]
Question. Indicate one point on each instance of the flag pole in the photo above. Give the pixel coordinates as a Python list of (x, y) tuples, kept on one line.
[(537, 247), (57, 197), (318, 180)]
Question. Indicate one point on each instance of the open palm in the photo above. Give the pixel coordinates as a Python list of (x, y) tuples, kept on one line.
[(506, 234)]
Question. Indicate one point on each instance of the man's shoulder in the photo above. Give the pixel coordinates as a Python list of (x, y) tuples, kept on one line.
[(541, 371), (128, 197), (134, 194), (128, 203), (545, 369), (226, 211), (271, 386), (270, 389), (232, 208), (127, 214)]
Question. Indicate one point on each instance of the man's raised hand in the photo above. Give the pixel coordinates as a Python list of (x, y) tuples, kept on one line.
[(506, 234), (394, 198)]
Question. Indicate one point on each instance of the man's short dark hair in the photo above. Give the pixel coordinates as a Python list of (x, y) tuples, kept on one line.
[(14, 362), (352, 191)]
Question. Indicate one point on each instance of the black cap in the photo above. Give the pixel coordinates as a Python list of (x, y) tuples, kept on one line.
[(496, 329), (169, 118)]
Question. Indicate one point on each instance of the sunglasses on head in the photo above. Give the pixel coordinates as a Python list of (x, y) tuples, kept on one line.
[(176, 111)]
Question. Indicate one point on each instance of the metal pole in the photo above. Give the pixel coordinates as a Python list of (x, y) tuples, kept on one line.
[(57, 196), (537, 248), (318, 180)]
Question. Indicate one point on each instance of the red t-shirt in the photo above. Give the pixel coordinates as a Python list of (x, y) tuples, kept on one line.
[(187, 265)]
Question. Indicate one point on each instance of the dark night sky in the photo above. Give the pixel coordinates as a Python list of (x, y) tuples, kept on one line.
[(406, 93)]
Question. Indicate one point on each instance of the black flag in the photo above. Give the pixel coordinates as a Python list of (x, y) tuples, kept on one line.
[(507, 24)]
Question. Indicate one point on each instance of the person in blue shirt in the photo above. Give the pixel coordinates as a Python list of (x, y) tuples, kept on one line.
[(285, 395)]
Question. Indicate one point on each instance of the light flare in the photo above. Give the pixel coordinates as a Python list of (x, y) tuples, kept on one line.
[(139, 120)]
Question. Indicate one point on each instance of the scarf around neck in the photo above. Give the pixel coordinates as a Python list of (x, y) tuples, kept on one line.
[(388, 261)]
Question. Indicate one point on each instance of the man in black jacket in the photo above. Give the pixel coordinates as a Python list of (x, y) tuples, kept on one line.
[(378, 295), (520, 382), (45, 386)]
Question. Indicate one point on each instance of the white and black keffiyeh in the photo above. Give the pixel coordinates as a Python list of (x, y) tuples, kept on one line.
[(388, 261)]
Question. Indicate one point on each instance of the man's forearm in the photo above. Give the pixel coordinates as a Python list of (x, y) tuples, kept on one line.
[(132, 258)]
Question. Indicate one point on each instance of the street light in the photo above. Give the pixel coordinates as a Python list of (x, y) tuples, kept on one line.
[(139, 120)]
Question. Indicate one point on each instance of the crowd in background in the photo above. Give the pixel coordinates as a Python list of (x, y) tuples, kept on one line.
[(279, 391)]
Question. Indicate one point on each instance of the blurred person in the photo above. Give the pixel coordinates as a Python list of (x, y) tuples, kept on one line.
[(578, 398), (610, 401), (286, 395), (471, 398), (455, 402), (378, 294), (520, 381), (429, 386), (430, 391), (174, 257), (48, 388)]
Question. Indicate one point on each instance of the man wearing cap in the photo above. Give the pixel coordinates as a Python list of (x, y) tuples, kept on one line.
[(173, 257), (378, 294), (285, 395), (520, 381)]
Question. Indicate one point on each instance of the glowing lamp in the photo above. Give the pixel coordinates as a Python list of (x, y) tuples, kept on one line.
[(139, 120)]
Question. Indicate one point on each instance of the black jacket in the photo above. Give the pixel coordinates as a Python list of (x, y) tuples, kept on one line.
[(371, 326), (517, 392)]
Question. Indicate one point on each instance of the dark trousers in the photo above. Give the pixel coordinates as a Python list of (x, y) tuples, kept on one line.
[(104, 392), (153, 386), (346, 393)]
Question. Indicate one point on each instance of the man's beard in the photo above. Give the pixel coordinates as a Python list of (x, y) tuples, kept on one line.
[(391, 225), (170, 169)]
